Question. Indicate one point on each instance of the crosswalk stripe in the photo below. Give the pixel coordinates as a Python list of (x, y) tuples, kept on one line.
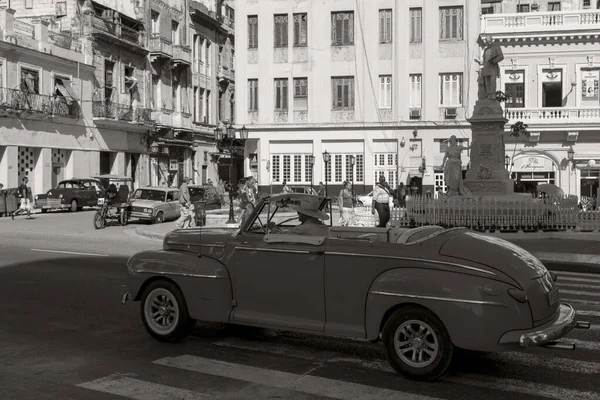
[(583, 274), (582, 301), (122, 385), (589, 313), (308, 384), (578, 285), (580, 292), (523, 387)]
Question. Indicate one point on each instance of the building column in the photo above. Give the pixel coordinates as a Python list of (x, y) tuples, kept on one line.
[(119, 165), (9, 158), (42, 181)]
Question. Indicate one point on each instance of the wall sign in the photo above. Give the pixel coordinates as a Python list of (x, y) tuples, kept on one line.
[(254, 161), (589, 84), (534, 164), (173, 165)]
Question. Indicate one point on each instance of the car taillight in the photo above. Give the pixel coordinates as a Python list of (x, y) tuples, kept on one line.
[(518, 295)]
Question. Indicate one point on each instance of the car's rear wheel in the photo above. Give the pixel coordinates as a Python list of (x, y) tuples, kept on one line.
[(123, 217), (160, 218), (164, 312), (417, 343), (73, 205)]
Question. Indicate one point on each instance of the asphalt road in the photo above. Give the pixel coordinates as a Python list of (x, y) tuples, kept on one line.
[(64, 335)]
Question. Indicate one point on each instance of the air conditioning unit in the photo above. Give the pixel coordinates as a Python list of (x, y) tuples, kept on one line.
[(415, 113), (451, 112)]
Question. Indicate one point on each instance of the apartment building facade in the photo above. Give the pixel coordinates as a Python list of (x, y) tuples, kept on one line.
[(48, 130), (147, 120), (380, 86), (551, 72)]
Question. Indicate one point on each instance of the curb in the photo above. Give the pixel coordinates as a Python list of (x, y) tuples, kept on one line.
[(565, 262)]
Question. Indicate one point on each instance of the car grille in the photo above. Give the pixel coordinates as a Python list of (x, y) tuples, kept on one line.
[(138, 209)]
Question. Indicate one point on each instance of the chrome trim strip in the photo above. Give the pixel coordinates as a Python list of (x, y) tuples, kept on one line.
[(413, 259), (272, 250), (145, 271), (220, 245), (413, 296)]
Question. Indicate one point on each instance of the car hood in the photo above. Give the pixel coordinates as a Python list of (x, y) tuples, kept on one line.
[(212, 241), (495, 253), (145, 203)]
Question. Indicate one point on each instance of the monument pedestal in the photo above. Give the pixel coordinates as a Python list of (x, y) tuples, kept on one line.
[(487, 175)]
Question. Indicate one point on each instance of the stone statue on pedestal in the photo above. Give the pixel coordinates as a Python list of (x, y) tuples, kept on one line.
[(489, 70), (452, 167)]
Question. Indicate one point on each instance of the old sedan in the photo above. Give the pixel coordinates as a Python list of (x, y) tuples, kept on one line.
[(155, 204), (72, 194), (423, 292)]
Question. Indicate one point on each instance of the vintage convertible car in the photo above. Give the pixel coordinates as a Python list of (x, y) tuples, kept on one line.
[(423, 292)]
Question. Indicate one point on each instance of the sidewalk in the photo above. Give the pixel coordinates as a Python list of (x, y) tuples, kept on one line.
[(569, 251)]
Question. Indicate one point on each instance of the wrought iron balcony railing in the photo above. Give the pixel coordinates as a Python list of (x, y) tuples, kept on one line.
[(122, 112), (22, 101), (120, 31)]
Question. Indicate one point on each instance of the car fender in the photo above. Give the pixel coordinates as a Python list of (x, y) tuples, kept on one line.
[(476, 310), (204, 281)]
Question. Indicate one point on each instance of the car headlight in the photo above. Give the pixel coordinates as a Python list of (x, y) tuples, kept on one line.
[(148, 210), (36, 197), (60, 196)]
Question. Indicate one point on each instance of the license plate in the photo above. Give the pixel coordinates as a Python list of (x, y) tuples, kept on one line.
[(100, 201), (553, 296)]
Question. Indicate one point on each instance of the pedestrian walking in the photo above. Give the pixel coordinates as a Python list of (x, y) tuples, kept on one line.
[(221, 191), (185, 218), (25, 198), (381, 201), (346, 205), (321, 189)]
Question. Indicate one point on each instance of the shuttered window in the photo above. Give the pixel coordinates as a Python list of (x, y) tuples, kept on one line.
[(343, 93), (416, 27), (281, 30), (300, 30), (252, 31), (281, 94), (451, 23), (342, 28), (385, 26)]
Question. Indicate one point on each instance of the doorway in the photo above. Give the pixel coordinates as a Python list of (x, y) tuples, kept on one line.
[(58, 174), (552, 94)]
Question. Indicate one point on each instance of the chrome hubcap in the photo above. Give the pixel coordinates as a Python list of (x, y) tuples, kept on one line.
[(416, 343), (161, 311)]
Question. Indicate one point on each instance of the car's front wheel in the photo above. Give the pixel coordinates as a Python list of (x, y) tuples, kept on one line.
[(160, 218), (164, 312), (417, 343)]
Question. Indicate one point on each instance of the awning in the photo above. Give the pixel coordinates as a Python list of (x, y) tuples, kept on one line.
[(65, 89)]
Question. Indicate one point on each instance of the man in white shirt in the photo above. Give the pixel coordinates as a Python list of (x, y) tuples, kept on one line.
[(381, 201)]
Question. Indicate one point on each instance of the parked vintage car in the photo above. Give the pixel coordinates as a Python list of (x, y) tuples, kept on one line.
[(155, 204), (423, 292), (72, 194), (206, 193)]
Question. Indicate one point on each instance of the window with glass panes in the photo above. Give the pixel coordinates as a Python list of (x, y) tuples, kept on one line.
[(386, 165), (281, 94), (300, 30), (415, 90), (293, 168), (439, 182), (385, 91), (342, 28), (252, 31), (451, 90), (340, 168), (342, 93), (308, 169), (252, 94), (516, 95)]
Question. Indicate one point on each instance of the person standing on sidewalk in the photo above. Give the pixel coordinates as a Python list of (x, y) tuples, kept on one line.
[(26, 199), (184, 220), (381, 201)]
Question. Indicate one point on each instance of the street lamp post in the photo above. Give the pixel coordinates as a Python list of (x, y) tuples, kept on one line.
[(326, 160), (311, 160), (352, 163), (232, 145), (507, 161)]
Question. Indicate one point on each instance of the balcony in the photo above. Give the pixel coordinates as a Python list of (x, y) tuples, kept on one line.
[(160, 47), (559, 115), (579, 21), (115, 32), (182, 55), (225, 74), (20, 103), (182, 120), (121, 112)]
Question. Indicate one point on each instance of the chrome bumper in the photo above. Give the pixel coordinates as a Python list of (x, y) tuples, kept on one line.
[(125, 297)]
